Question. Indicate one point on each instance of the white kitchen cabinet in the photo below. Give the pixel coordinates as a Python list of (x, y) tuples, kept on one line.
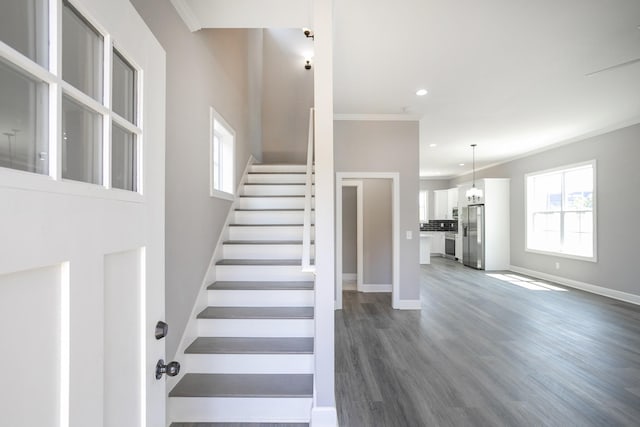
[(459, 246), (445, 201), (436, 240), (452, 200), (441, 204)]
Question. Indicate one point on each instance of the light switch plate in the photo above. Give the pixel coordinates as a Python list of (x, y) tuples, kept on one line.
[(409, 235)]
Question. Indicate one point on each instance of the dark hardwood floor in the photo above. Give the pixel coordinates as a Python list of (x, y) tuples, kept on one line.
[(487, 352)]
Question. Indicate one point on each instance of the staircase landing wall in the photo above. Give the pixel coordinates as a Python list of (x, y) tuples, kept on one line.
[(208, 68)]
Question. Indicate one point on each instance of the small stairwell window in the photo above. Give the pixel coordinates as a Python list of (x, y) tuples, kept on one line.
[(223, 141)]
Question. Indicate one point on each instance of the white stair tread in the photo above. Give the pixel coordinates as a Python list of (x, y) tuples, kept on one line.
[(273, 210), (277, 173), (274, 195), (259, 262), (256, 313), (257, 286), (240, 345), (239, 425), (244, 385), (264, 242), (266, 225)]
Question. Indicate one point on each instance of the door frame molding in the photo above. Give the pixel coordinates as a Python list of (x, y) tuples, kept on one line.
[(343, 179)]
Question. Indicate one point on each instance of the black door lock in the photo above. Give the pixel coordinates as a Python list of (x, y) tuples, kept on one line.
[(171, 369)]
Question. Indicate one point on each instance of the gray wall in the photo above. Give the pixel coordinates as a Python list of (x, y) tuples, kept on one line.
[(431, 185), (287, 98), (206, 68), (349, 230), (366, 146), (377, 239), (618, 180)]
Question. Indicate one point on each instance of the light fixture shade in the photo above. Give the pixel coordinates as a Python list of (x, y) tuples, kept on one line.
[(474, 195)]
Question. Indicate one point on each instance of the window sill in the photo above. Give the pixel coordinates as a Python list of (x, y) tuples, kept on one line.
[(222, 195), (563, 255)]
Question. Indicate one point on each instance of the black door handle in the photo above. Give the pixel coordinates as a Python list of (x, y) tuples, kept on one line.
[(171, 369)]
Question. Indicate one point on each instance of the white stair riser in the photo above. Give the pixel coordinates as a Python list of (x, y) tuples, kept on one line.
[(270, 298), (229, 409), (278, 178), (275, 190), (278, 168), (257, 202), (249, 363), (263, 251), (270, 217), (268, 233), (255, 327), (285, 273)]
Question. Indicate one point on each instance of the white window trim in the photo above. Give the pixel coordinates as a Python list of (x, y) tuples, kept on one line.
[(593, 258), (214, 116), (52, 76)]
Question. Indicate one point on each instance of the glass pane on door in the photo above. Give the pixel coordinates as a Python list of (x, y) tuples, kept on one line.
[(81, 142), (124, 88), (24, 142), (24, 26), (82, 53), (124, 159)]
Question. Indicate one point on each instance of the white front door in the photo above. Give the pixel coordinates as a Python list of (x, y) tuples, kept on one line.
[(82, 95)]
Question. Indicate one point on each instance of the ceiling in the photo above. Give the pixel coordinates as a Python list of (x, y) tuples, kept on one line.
[(511, 76), (508, 75)]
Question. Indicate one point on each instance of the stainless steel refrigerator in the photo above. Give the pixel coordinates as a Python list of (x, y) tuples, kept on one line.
[(472, 219)]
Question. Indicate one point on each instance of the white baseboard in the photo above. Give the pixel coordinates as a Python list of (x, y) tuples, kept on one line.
[(409, 304), (350, 286), (587, 287), (375, 288), (350, 276), (324, 416)]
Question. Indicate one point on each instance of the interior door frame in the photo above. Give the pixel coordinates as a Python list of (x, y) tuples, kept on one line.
[(346, 177)]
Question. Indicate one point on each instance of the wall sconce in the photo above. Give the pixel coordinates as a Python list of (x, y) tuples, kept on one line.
[(308, 33), (307, 60)]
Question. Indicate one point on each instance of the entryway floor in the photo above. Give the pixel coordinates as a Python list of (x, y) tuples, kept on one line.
[(487, 350)]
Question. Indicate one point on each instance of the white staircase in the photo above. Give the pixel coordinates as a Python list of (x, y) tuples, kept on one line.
[(253, 359)]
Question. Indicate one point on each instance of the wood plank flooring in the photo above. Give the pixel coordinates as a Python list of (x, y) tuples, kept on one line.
[(487, 352)]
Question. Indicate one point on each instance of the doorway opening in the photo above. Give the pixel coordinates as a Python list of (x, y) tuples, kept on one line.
[(377, 233)]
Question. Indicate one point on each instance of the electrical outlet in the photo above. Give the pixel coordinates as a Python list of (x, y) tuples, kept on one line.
[(557, 266), (409, 235)]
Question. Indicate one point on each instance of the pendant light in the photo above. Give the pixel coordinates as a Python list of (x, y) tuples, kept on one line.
[(474, 195)]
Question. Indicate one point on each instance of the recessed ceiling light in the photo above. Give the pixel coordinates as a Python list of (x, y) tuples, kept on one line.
[(461, 164), (421, 92), (433, 145)]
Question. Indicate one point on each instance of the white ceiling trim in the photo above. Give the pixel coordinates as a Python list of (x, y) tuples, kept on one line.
[(377, 117), (583, 137), (186, 13)]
